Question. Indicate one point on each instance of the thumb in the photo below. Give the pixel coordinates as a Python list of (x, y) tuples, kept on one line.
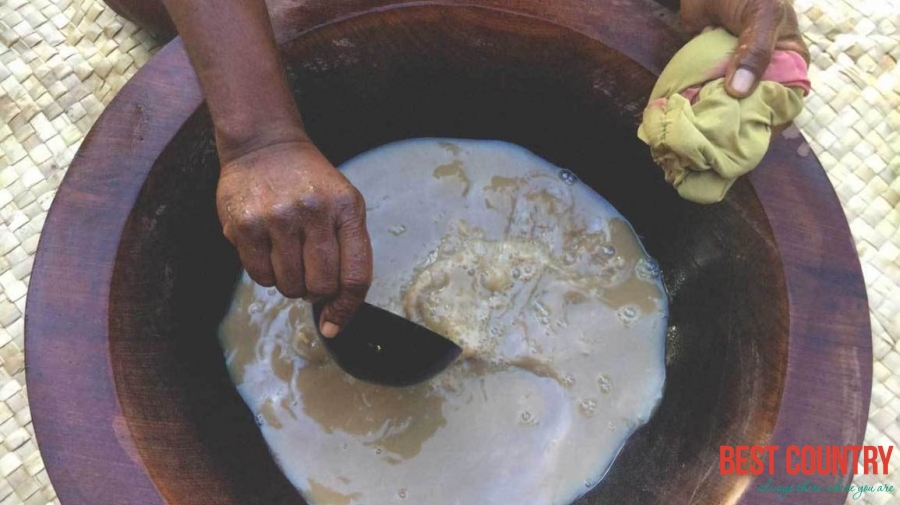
[(338, 312), (355, 277), (763, 21)]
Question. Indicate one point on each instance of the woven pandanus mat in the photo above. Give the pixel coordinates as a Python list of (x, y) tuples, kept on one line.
[(62, 61), (852, 122)]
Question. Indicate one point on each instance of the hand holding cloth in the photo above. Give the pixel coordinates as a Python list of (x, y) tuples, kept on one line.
[(703, 138)]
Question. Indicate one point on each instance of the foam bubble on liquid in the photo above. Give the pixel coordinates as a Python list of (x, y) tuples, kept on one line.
[(629, 314), (604, 383), (647, 269), (527, 417), (587, 406), (567, 176), (397, 230)]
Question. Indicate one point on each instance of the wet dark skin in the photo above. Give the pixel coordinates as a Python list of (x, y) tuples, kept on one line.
[(296, 221)]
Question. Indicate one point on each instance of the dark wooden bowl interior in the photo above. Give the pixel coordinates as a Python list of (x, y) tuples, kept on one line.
[(466, 73)]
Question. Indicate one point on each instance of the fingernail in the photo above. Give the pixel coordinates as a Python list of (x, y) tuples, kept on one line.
[(329, 329), (742, 80)]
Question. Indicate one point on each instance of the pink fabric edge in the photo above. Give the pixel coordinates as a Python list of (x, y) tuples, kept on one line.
[(787, 68)]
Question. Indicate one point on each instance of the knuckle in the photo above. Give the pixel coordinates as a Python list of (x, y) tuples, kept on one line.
[(261, 276), (322, 248), (312, 203), (246, 224), (352, 223), (266, 281), (757, 58), (356, 284), (322, 287), (292, 290), (228, 232), (341, 310), (350, 200), (759, 51), (353, 197), (338, 316), (281, 216)]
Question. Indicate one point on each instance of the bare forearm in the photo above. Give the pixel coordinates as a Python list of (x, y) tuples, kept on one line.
[(233, 51)]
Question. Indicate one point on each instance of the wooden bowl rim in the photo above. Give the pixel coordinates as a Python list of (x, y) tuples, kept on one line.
[(67, 326)]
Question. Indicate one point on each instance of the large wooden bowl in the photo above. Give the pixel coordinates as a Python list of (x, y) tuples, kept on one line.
[(769, 340)]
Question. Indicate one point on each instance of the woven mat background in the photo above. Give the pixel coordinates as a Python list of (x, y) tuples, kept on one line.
[(852, 122), (62, 61)]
